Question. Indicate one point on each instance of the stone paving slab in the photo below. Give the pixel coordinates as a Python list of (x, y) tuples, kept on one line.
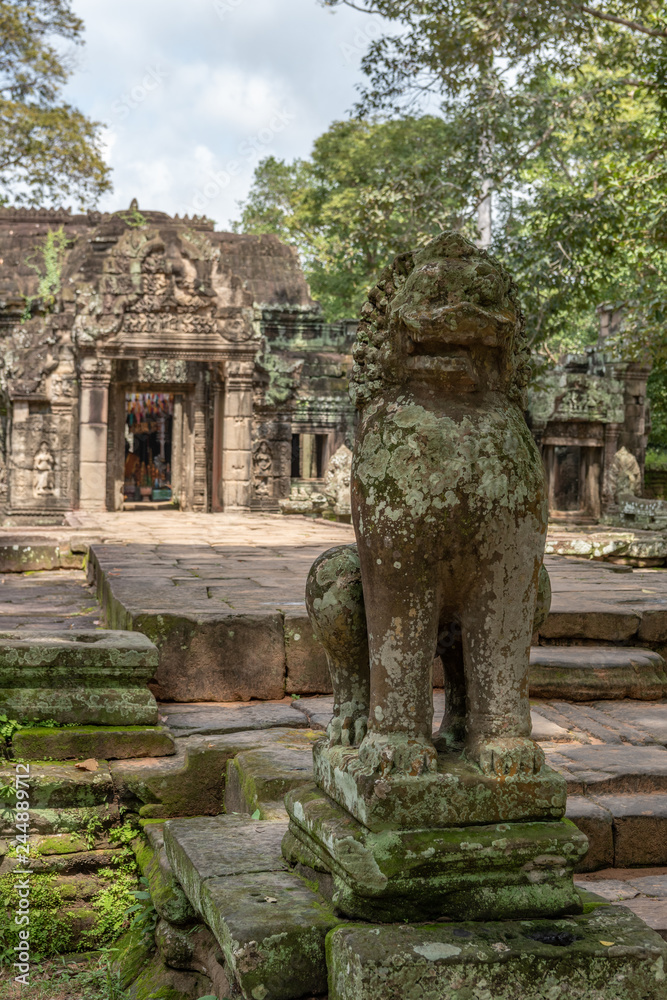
[(193, 719)]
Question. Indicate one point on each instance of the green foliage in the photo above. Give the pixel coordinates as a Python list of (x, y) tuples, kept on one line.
[(46, 260), (145, 915), (560, 110), (369, 190), (111, 904), (657, 393), (133, 218), (48, 149), (656, 461), (51, 930)]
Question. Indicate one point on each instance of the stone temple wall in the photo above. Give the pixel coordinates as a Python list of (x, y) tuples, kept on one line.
[(96, 306)]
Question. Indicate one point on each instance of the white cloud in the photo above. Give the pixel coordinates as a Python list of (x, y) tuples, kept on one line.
[(186, 90)]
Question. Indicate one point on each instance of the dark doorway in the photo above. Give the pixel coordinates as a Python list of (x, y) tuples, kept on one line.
[(149, 420)]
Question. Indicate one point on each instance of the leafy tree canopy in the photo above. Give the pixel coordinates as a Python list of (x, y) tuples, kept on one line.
[(560, 108), (370, 190), (49, 151)]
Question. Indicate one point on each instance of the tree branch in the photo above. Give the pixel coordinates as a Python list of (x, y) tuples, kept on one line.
[(633, 25)]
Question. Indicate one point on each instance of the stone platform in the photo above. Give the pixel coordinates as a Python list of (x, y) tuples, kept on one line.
[(190, 580)]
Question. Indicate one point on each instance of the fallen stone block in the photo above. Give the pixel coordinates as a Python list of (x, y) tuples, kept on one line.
[(585, 673), (83, 742), (607, 953), (86, 677)]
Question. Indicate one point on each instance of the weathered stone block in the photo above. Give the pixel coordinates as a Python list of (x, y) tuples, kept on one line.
[(230, 657), (596, 823), (457, 794), (640, 828), (217, 720), (307, 667), (260, 779), (608, 954), (82, 677), (64, 786), (166, 893), (192, 782), (487, 872), (584, 673), (568, 619), (101, 742)]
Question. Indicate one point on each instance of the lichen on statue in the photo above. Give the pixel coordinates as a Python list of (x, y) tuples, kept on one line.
[(450, 513)]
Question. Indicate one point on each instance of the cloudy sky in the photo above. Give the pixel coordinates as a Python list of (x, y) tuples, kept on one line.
[(194, 93)]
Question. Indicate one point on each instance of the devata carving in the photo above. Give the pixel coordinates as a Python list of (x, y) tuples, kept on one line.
[(450, 514), (262, 466), (43, 484)]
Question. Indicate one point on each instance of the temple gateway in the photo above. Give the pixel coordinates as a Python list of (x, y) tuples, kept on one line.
[(151, 359)]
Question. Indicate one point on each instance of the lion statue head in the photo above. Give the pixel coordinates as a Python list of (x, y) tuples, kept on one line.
[(446, 314)]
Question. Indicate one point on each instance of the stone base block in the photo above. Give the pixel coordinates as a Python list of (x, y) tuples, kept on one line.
[(487, 872), (608, 954), (85, 677), (457, 794)]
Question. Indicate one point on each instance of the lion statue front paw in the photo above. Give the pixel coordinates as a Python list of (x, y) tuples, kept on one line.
[(397, 753), (506, 756), (348, 725)]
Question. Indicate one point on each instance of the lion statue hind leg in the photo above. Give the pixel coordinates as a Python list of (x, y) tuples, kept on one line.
[(335, 603)]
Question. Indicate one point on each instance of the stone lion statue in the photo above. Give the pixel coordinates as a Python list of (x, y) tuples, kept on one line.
[(450, 513)]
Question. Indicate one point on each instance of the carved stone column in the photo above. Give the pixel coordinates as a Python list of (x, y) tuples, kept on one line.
[(237, 435), (94, 378)]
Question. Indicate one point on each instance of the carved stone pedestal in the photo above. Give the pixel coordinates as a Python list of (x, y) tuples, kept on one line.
[(608, 954), (487, 872), (456, 794)]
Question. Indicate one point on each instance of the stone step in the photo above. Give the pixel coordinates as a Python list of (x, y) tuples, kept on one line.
[(192, 782), (610, 770), (101, 742), (260, 779), (588, 673), (622, 830), (268, 922), (87, 677)]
